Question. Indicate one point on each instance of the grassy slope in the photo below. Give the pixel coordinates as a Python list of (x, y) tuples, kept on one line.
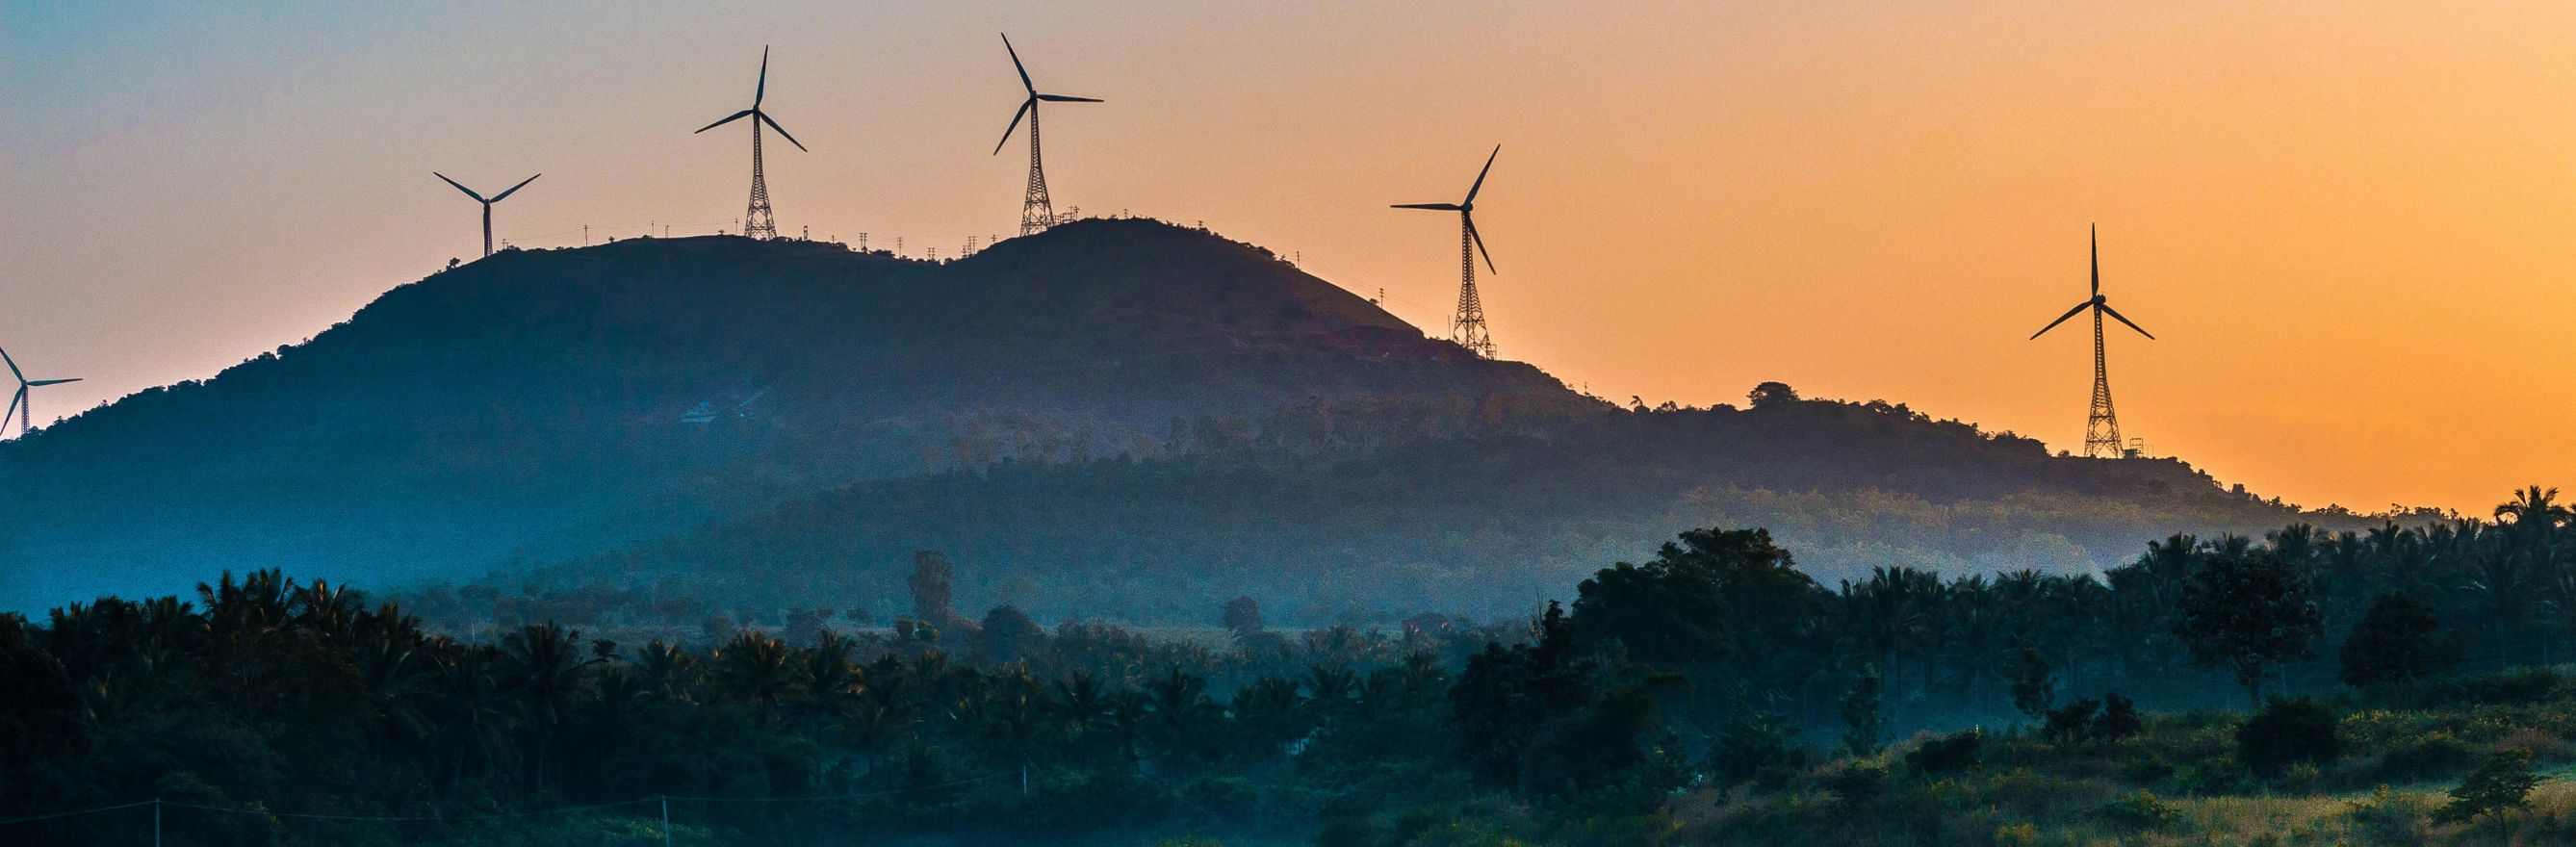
[(2399, 763)]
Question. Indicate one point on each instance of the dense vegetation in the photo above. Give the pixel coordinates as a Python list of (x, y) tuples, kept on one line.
[(1714, 693), (1352, 512)]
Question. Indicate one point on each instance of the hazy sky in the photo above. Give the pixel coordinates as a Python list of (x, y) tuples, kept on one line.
[(2349, 224)]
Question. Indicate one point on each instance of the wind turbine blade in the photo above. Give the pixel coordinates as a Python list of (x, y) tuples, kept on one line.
[(1015, 65), (734, 117), (763, 89), (2115, 314), (522, 184), (1067, 98), (1480, 175), (1025, 106), (14, 399), (773, 124), (2061, 319), (1445, 207), (468, 191), (2097, 261), (13, 366), (1480, 242), (54, 381)]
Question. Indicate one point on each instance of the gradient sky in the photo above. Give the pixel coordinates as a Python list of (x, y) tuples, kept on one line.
[(2349, 224)]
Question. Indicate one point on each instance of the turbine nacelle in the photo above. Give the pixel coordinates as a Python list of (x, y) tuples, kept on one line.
[(479, 198), (1030, 105), (2099, 303), (1466, 208), (759, 93)]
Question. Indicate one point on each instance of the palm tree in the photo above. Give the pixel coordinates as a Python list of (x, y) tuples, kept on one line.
[(2537, 515), (1268, 712), (1330, 691), (327, 611), (669, 673), (542, 667), (1080, 705), (754, 668), (1128, 713), (1179, 704), (470, 717), (2503, 584), (829, 685), (1012, 714)]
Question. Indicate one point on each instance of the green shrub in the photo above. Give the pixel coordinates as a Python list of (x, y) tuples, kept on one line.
[(2119, 720), (1760, 748), (2213, 776), (2524, 686), (2287, 732), (2387, 817), (1856, 784), (1950, 753), (2146, 770), (2434, 755), (2140, 810), (1221, 796), (2503, 781), (2072, 723)]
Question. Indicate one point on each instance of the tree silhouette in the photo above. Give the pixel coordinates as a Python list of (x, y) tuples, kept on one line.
[(2248, 612)]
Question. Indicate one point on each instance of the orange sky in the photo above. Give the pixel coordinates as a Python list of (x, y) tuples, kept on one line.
[(2347, 223)]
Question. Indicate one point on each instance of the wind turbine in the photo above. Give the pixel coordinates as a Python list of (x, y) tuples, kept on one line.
[(2102, 427), (487, 204), (1037, 212), (1468, 326), (758, 221), (18, 402)]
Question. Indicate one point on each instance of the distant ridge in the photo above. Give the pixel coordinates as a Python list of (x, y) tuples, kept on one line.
[(560, 401)]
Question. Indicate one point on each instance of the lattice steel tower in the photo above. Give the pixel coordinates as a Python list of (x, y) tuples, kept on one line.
[(2101, 424), (758, 220), (1467, 327), (1037, 211)]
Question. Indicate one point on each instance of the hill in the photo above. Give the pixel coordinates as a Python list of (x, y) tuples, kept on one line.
[(551, 403), (1371, 512)]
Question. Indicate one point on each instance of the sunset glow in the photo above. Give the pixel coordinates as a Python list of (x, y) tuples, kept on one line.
[(2348, 224)]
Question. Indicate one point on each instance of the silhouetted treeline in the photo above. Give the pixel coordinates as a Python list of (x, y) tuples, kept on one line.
[(1697, 664)]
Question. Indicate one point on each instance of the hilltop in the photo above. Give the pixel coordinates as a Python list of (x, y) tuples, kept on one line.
[(548, 403)]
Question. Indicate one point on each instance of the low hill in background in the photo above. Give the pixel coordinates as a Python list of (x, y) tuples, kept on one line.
[(553, 403), (1373, 512)]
